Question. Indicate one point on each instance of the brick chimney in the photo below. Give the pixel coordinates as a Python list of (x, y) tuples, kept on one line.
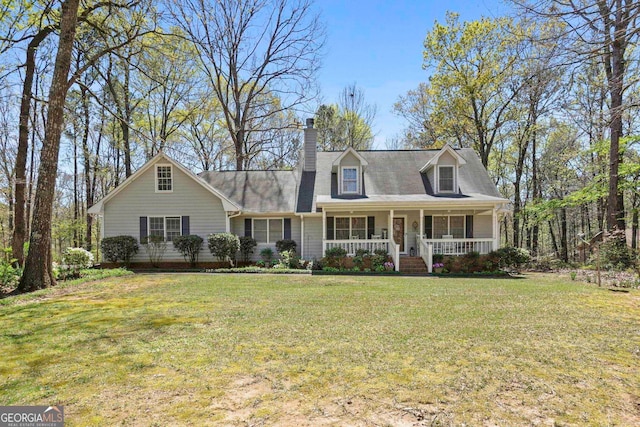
[(310, 147)]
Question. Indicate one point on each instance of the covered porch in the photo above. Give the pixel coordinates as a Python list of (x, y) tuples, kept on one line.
[(413, 232)]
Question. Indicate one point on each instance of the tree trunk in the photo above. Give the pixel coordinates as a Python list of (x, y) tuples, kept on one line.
[(564, 246), (20, 217), (38, 272)]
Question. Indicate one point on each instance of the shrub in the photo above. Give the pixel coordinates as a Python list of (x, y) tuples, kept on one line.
[(511, 257), (288, 259), (247, 245), (224, 246), (9, 275), (286, 245), (381, 252), (614, 252), (119, 248), (77, 258), (156, 247), (189, 246), (335, 256), (267, 256)]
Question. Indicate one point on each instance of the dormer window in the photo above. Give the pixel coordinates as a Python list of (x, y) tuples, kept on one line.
[(349, 180), (164, 179), (446, 179)]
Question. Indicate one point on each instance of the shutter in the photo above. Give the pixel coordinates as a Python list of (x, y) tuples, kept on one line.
[(247, 227), (185, 226), (143, 228), (469, 226), (287, 228), (371, 225), (428, 226), (330, 228)]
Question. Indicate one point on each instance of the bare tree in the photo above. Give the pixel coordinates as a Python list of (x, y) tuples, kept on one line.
[(253, 51), (358, 115)]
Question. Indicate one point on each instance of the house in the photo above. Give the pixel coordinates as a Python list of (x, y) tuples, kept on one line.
[(408, 202)]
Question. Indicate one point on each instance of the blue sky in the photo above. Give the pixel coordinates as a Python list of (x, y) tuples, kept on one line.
[(378, 45)]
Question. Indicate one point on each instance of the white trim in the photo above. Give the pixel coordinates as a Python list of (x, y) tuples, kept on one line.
[(155, 175), (404, 217), (301, 235), (164, 224), (358, 179), (351, 150), (434, 160), (455, 180), (269, 241)]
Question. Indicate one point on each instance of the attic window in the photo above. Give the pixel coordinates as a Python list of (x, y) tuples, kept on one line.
[(349, 180), (446, 179), (164, 179)]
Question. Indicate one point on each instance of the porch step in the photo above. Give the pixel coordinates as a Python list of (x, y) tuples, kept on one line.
[(412, 265)]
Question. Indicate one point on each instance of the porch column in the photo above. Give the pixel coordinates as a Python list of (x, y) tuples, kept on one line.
[(324, 230), (390, 225), (495, 229), (421, 230), (302, 236)]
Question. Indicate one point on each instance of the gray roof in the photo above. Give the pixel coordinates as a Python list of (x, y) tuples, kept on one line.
[(256, 191), (394, 176), (391, 176)]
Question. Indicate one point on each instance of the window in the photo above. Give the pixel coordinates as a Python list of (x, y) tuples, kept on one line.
[(448, 225), (165, 227), (446, 181), (348, 227), (164, 178), (349, 180), (173, 227), (267, 230)]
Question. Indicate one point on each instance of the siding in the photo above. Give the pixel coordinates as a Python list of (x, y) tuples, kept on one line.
[(482, 226), (312, 237), (205, 210)]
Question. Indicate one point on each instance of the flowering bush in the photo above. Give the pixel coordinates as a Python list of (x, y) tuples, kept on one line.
[(388, 266)]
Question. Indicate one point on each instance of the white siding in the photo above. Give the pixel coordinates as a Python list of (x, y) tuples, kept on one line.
[(206, 213), (312, 237), (482, 226)]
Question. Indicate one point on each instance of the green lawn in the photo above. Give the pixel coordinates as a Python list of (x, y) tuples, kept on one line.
[(344, 350)]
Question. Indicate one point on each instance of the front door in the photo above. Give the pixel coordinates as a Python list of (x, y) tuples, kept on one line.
[(398, 232)]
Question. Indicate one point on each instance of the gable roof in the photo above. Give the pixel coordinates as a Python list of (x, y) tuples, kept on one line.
[(393, 176), (98, 207), (349, 150), (257, 191), (446, 149)]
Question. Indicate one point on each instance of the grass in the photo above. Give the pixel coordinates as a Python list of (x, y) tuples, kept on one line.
[(264, 350)]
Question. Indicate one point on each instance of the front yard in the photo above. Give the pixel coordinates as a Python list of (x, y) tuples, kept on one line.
[(308, 350)]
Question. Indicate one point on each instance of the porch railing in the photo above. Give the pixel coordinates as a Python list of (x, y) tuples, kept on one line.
[(425, 250), (460, 246), (353, 245)]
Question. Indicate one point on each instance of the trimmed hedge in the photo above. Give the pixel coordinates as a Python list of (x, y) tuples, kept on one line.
[(119, 248)]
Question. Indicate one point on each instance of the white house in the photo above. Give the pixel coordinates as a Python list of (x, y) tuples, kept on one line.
[(409, 202)]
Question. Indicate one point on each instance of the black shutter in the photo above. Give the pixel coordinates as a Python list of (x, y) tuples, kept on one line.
[(143, 228), (247, 227), (185, 226), (371, 225), (469, 221), (428, 226), (330, 227), (287, 228)]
